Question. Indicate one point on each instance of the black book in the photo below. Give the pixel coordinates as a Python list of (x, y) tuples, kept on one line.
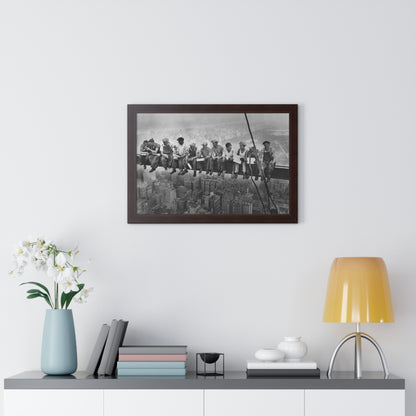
[(97, 352), (106, 353), (299, 373), (116, 344)]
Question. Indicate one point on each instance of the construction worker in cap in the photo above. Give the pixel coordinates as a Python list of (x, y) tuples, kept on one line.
[(267, 160), (180, 152), (228, 158), (253, 162), (154, 154), (204, 154), (144, 154), (167, 153), (216, 160), (192, 156), (240, 161)]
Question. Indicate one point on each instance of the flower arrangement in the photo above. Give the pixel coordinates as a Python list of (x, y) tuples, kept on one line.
[(59, 265)]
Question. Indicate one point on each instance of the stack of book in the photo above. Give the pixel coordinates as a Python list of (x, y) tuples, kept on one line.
[(152, 361), (300, 369)]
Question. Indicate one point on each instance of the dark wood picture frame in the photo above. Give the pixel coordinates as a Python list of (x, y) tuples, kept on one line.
[(133, 217)]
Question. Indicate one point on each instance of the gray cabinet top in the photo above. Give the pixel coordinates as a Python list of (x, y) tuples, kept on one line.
[(231, 380)]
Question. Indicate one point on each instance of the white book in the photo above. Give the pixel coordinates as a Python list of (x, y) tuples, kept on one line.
[(281, 365)]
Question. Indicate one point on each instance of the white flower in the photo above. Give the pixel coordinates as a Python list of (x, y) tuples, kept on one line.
[(82, 296), (69, 285), (21, 255), (39, 256), (57, 268), (21, 260), (50, 261), (79, 298), (88, 291), (21, 249), (25, 243), (65, 274), (60, 260), (59, 274), (72, 254), (39, 264), (36, 253), (16, 272)]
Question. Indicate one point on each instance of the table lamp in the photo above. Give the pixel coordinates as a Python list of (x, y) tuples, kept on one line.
[(358, 292)]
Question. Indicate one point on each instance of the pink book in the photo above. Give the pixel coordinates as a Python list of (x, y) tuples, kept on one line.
[(152, 357)]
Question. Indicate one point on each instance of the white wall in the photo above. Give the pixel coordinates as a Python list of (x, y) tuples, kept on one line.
[(67, 72)]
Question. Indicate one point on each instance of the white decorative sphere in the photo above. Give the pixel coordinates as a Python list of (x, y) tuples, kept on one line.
[(269, 354), (293, 348)]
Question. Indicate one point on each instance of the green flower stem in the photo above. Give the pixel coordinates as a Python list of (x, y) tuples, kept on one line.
[(56, 296)]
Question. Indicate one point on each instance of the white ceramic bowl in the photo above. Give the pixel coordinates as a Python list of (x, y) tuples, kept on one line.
[(269, 354), (293, 348)]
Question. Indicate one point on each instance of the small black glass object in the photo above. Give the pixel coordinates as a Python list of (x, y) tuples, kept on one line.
[(211, 363)]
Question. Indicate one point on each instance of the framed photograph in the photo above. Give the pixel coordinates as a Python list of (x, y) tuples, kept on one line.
[(212, 163)]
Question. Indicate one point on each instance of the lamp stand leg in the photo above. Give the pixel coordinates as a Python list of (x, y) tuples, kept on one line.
[(380, 353), (358, 336), (334, 354), (357, 362)]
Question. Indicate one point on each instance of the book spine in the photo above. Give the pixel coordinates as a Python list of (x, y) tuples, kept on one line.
[(151, 372), (284, 373), (152, 357), (150, 364), (126, 323), (152, 350)]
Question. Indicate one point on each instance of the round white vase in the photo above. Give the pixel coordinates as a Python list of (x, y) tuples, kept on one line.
[(269, 354), (293, 348)]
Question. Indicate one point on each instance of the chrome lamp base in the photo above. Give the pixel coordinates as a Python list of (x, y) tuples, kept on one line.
[(358, 336)]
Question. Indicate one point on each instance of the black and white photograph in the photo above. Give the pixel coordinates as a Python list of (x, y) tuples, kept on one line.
[(212, 164)]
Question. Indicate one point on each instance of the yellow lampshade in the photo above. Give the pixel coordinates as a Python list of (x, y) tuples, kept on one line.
[(358, 291)]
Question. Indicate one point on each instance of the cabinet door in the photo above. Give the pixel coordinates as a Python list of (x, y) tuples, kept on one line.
[(53, 402), (153, 402), (254, 402), (354, 402)]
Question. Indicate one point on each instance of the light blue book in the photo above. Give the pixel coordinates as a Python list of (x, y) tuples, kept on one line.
[(150, 364), (151, 372)]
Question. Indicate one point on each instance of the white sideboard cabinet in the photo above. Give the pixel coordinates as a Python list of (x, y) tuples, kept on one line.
[(254, 402), (28, 402), (354, 402), (154, 402), (34, 394)]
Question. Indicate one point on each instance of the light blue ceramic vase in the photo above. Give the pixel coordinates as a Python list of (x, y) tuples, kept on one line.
[(59, 348)]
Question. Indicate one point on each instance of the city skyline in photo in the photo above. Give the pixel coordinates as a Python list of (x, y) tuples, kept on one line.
[(162, 193)]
